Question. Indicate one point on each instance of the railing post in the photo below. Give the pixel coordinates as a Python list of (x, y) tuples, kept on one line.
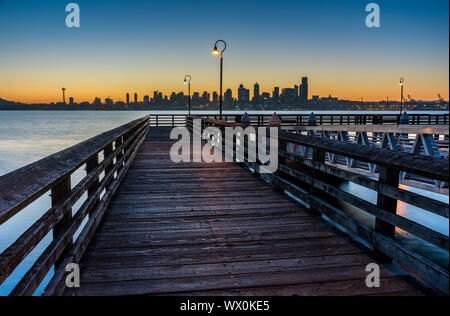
[(58, 194), (318, 156), (119, 142), (390, 177), (108, 151), (91, 164)]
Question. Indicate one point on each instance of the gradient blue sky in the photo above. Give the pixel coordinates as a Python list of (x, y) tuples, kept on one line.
[(141, 46)]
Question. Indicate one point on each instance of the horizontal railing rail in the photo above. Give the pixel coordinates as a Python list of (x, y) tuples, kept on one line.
[(289, 120), (20, 188), (315, 182)]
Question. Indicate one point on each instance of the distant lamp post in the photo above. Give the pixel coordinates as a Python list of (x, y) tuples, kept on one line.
[(187, 80), (402, 83), (216, 51)]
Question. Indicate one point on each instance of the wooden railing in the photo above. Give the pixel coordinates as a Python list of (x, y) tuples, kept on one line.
[(302, 119), (429, 140), (20, 188), (314, 182)]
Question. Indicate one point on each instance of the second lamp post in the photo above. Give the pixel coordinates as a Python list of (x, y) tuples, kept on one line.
[(215, 51), (402, 83), (187, 80)]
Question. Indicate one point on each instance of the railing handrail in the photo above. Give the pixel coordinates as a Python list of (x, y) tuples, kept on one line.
[(21, 187), (119, 147), (427, 166), (410, 129)]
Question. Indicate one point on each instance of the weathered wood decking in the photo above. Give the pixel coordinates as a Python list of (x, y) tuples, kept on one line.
[(212, 229)]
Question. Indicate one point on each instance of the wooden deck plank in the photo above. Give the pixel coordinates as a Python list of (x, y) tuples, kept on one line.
[(214, 229)]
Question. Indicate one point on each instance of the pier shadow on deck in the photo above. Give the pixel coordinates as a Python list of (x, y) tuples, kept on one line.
[(215, 229)]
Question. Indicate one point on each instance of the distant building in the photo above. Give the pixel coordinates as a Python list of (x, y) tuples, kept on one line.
[(256, 95), (288, 96), (276, 93), (206, 97), (97, 101), (146, 99), (265, 98), (304, 90), (70, 100), (128, 99), (109, 101), (215, 97), (228, 97), (135, 98), (243, 94), (296, 92), (315, 99)]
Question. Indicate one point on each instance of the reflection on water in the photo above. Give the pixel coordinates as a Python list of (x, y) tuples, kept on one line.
[(427, 219)]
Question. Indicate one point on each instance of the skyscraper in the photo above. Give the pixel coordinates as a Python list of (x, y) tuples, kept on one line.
[(215, 97), (243, 94), (128, 98), (304, 90), (276, 93), (228, 97), (135, 98), (256, 95)]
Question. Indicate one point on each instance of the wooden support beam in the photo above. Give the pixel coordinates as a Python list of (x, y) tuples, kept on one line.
[(59, 193)]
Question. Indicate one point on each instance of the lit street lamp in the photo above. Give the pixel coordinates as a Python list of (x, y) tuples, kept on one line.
[(215, 51), (187, 80), (402, 83)]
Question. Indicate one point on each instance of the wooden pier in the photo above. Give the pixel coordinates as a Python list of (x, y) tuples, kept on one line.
[(156, 227)]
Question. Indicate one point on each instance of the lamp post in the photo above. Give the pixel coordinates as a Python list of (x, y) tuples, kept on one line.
[(215, 51), (187, 80), (402, 83)]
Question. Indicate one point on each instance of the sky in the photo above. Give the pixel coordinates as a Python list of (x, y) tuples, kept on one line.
[(142, 46)]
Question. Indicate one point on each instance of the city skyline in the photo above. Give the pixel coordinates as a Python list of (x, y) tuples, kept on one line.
[(293, 98), (148, 45), (251, 93)]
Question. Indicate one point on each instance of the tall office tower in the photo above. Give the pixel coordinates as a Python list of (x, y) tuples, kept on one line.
[(146, 99), (256, 95), (304, 90), (228, 97), (135, 98), (128, 98), (276, 93), (215, 97), (243, 94), (296, 92), (70, 100)]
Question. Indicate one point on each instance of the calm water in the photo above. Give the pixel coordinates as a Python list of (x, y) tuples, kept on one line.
[(29, 136)]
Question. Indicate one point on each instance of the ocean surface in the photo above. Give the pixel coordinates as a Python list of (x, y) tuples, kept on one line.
[(27, 136)]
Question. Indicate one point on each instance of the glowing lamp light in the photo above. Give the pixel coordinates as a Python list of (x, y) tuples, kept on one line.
[(215, 51)]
